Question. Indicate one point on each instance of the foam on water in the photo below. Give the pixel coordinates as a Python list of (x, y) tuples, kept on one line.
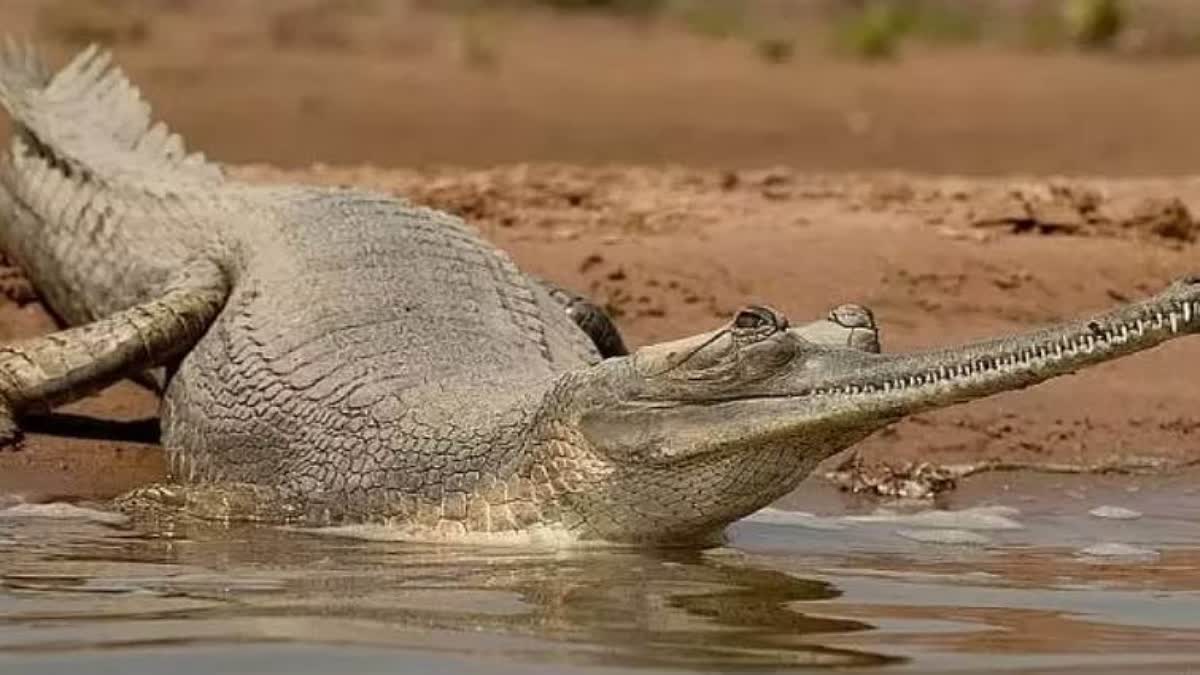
[(1112, 549), (1115, 513), (946, 537), (974, 518), (803, 519)]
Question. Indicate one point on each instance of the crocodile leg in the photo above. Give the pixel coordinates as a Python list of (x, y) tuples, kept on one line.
[(590, 318), (38, 374)]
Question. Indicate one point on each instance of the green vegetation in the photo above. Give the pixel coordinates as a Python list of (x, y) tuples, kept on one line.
[(1094, 24), (773, 30), (873, 32), (717, 19), (876, 29), (946, 22), (1084, 24)]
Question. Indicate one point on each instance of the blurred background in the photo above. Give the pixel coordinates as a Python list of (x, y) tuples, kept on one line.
[(962, 86)]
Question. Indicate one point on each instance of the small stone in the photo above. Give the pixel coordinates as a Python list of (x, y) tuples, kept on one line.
[(1115, 513)]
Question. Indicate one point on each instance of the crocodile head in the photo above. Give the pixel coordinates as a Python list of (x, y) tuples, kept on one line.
[(679, 439)]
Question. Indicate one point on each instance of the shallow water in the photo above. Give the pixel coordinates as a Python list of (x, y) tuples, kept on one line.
[(1015, 574)]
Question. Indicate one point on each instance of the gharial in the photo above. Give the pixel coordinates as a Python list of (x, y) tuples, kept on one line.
[(333, 356)]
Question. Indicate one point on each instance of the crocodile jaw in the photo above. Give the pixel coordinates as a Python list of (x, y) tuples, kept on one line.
[(686, 457)]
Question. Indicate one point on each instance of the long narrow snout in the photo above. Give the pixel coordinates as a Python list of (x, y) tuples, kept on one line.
[(897, 385)]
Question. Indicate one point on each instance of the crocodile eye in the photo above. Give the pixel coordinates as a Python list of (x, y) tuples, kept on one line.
[(757, 318)]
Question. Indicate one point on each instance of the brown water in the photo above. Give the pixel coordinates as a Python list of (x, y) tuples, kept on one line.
[(1011, 576)]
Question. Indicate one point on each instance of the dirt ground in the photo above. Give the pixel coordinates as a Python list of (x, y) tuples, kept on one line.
[(652, 192)]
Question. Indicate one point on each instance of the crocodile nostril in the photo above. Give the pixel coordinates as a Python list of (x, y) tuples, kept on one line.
[(757, 317), (852, 316)]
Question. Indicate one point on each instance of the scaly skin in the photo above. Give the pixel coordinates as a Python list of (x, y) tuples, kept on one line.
[(350, 357)]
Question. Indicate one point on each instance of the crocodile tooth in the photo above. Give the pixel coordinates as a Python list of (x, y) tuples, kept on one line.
[(1187, 312), (1174, 322), (1141, 326)]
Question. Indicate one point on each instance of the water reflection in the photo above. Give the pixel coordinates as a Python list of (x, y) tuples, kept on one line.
[(75, 585), (87, 592)]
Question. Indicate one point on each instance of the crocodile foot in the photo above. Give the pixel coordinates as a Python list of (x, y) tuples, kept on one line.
[(10, 432)]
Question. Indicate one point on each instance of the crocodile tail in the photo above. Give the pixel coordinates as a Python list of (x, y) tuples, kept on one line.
[(22, 72), (89, 119)]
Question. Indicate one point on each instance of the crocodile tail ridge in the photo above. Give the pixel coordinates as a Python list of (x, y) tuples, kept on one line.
[(22, 74), (89, 119)]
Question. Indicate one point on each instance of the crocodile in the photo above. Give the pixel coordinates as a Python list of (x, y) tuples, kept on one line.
[(331, 356)]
